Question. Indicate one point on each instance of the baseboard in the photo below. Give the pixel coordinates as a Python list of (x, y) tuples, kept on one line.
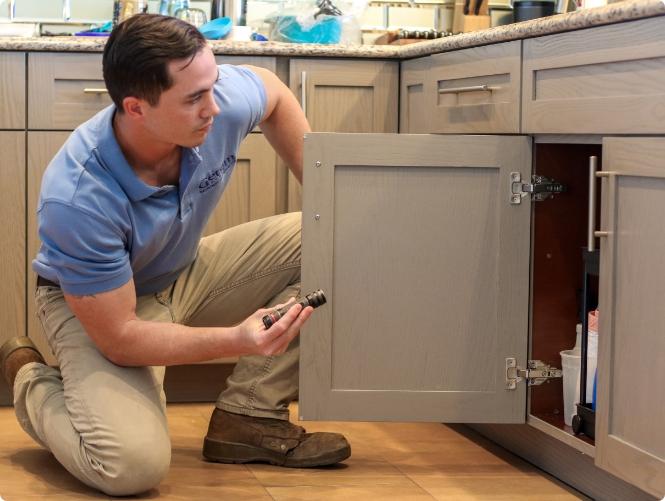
[(196, 383), (561, 461)]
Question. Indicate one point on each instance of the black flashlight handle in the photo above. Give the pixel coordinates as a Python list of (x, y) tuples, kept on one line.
[(314, 300)]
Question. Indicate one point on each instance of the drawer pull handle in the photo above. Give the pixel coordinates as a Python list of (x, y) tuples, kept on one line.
[(470, 88), (303, 92), (600, 234), (605, 173), (95, 91)]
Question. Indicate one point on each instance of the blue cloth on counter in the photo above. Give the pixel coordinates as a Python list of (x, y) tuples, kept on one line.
[(103, 30), (100, 224)]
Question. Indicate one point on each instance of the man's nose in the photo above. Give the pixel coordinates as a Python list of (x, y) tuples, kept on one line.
[(211, 109)]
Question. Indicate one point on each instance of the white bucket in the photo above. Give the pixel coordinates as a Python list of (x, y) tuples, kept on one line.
[(570, 366)]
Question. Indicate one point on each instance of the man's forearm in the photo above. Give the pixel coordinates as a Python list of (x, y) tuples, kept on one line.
[(142, 343)]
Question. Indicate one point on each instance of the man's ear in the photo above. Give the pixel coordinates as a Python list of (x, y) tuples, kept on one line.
[(133, 107)]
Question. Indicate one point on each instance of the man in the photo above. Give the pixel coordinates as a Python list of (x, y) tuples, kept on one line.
[(126, 285)]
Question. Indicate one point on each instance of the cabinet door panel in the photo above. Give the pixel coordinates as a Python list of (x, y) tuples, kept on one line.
[(425, 264), (413, 113), (344, 96), (252, 190), (42, 147), (12, 241), (630, 441)]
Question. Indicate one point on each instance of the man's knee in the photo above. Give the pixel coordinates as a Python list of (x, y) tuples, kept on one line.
[(134, 468)]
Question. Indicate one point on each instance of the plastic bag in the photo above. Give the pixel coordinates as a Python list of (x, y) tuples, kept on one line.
[(323, 22)]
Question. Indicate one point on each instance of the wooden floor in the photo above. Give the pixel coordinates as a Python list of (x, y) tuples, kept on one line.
[(389, 461)]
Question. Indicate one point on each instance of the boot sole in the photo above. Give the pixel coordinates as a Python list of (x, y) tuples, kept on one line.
[(232, 453)]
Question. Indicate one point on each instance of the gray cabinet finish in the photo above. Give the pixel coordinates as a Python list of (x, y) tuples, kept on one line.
[(12, 236), (42, 147), (414, 111), (344, 96), (631, 404), (64, 90), (12, 90), (253, 188), (426, 267), (476, 90), (604, 80)]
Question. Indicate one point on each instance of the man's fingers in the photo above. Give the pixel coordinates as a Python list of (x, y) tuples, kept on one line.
[(280, 343)]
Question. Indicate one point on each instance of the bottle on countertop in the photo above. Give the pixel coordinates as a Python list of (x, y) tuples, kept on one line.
[(124, 9)]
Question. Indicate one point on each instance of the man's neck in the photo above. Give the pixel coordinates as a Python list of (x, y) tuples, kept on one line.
[(155, 163)]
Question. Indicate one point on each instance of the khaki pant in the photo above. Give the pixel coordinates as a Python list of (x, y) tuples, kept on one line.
[(106, 424)]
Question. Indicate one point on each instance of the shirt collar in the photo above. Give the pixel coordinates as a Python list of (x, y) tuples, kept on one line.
[(116, 163)]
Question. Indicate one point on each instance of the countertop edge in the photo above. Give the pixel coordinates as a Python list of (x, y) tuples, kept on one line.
[(614, 13)]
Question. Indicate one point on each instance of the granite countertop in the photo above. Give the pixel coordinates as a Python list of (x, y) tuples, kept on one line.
[(613, 13)]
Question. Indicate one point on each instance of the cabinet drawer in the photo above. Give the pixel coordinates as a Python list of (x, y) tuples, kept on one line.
[(476, 90), (609, 79), (64, 90), (12, 90)]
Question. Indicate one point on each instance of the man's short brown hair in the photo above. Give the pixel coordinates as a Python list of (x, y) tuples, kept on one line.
[(138, 52)]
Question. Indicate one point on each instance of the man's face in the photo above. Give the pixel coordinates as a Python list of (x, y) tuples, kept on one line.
[(185, 112)]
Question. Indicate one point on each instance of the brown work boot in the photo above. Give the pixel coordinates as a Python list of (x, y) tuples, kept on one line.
[(14, 354), (235, 438)]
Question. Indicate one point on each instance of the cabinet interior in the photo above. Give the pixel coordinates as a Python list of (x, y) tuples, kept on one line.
[(559, 236)]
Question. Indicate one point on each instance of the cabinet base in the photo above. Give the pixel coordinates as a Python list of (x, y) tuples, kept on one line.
[(182, 383), (560, 460)]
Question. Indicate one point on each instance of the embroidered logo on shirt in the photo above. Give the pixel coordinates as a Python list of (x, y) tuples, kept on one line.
[(214, 177)]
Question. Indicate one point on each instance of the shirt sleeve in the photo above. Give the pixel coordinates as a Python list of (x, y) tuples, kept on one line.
[(87, 254)]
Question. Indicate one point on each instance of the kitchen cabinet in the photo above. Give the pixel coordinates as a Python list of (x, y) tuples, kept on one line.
[(12, 238), (431, 298), (12, 90), (602, 80), (253, 191), (631, 404), (344, 96), (64, 90), (474, 90)]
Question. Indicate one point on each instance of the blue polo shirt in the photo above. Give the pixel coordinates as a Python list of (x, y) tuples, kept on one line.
[(100, 225)]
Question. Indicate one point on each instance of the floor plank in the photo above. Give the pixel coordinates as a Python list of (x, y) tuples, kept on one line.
[(404, 461)]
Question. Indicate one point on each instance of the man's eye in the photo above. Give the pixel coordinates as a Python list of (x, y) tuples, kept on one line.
[(195, 99)]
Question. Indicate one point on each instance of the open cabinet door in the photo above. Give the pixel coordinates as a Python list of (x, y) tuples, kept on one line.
[(425, 264), (630, 429)]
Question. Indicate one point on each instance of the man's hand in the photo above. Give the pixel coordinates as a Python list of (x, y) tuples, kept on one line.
[(257, 340)]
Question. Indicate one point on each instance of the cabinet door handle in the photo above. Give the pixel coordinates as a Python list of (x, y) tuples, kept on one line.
[(90, 90), (600, 234), (470, 88), (591, 225), (303, 92)]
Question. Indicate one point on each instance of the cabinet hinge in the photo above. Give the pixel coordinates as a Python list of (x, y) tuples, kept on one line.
[(536, 373), (540, 188)]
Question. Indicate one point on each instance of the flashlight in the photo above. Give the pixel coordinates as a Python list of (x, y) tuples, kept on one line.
[(315, 299)]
